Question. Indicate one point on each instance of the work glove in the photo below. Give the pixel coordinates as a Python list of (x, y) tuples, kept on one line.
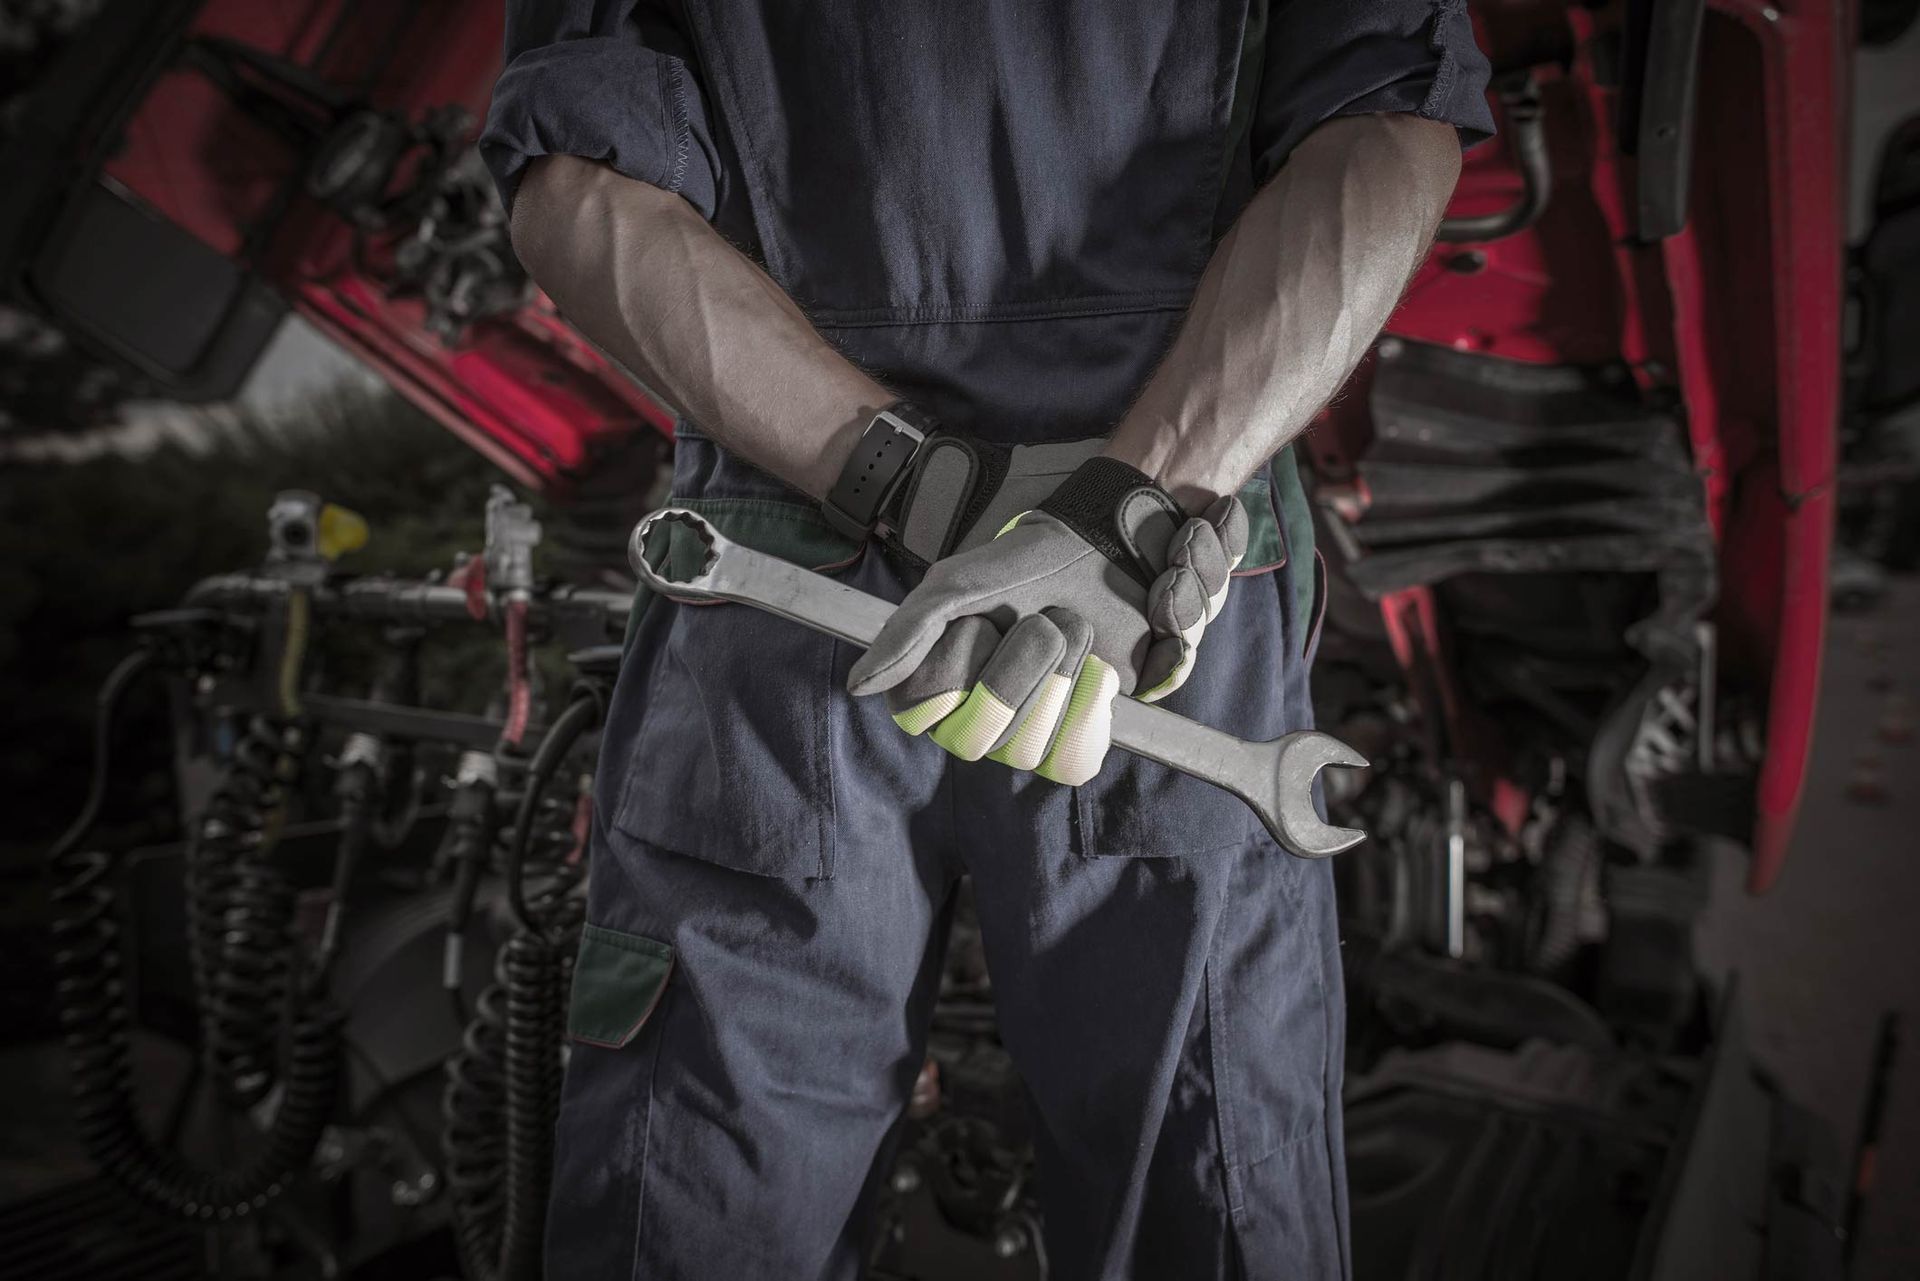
[(1015, 650), (962, 491)]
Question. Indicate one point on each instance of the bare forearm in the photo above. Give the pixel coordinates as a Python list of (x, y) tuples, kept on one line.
[(642, 274), (1294, 293)]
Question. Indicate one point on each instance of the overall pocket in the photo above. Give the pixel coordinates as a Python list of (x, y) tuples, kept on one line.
[(731, 710), (618, 980)]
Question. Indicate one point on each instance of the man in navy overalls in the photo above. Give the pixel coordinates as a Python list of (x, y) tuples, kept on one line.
[(1006, 310)]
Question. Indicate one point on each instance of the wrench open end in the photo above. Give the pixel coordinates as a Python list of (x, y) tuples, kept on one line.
[(1294, 822), (643, 568)]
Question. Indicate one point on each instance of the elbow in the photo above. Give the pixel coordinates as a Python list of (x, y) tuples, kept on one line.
[(1428, 152)]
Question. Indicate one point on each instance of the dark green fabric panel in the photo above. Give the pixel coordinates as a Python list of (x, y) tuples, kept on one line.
[(1264, 546), (617, 981), (1296, 521)]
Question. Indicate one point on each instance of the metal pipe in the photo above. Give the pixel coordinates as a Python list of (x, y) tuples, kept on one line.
[(1456, 904), (1527, 137)]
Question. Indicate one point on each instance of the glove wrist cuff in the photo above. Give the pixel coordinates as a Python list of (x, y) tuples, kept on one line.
[(1121, 512), (952, 481)]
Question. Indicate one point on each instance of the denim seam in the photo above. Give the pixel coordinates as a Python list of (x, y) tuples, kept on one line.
[(1288, 1144), (1329, 1100), (682, 126), (823, 747), (1226, 78), (1220, 1054), (1059, 307), (646, 1145)]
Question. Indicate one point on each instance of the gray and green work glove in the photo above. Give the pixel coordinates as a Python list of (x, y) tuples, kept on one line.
[(1014, 650)]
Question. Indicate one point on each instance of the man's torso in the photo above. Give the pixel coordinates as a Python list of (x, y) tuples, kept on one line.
[(1001, 208)]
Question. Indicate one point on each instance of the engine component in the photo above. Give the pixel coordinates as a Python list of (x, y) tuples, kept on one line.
[(235, 888), (1540, 503)]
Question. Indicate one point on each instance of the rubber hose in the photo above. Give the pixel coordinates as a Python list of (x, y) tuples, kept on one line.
[(1527, 136), (1568, 862), (106, 707), (240, 914), (473, 1141), (356, 792), (499, 1109), (534, 1024), (90, 997), (575, 721)]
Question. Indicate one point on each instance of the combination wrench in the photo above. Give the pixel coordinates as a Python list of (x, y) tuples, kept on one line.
[(1274, 778)]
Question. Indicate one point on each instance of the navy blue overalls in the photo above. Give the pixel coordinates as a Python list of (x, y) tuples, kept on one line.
[(1001, 209)]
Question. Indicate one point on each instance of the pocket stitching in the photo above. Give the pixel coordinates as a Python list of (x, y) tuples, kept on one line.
[(827, 816), (629, 942)]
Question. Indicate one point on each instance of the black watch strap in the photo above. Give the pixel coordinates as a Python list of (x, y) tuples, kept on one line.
[(879, 462)]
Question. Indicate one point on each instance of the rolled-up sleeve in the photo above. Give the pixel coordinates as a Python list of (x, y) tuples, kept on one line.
[(1327, 58), (582, 80)]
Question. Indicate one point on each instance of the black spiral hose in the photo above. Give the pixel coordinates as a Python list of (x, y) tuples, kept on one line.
[(501, 1101), (503, 1088), (474, 1140), (90, 996), (580, 716), (536, 997), (240, 913)]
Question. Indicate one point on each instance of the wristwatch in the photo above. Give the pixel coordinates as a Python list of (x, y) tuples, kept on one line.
[(879, 463)]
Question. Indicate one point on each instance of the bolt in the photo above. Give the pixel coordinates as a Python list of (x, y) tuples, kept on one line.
[(1896, 720), (1770, 13), (1390, 348), (418, 1192), (1010, 1241), (1868, 783), (906, 1179)]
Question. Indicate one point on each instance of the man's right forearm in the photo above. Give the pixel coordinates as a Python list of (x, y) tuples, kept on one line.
[(640, 272)]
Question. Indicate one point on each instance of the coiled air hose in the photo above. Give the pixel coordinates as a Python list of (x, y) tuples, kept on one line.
[(90, 994), (240, 913), (506, 1079)]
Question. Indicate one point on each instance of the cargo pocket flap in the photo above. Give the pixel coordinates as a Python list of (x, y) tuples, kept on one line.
[(617, 982)]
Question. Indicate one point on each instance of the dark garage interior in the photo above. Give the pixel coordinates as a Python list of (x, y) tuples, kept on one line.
[(328, 621)]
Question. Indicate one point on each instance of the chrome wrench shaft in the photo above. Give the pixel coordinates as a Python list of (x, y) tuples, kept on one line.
[(1274, 778)]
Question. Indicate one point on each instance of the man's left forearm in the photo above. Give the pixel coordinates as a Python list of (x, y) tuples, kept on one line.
[(1292, 297)]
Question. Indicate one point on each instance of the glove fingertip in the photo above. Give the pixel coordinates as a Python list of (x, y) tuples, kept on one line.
[(1228, 515)]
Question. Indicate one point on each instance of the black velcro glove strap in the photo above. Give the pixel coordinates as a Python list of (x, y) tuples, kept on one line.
[(954, 479), (1119, 511)]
